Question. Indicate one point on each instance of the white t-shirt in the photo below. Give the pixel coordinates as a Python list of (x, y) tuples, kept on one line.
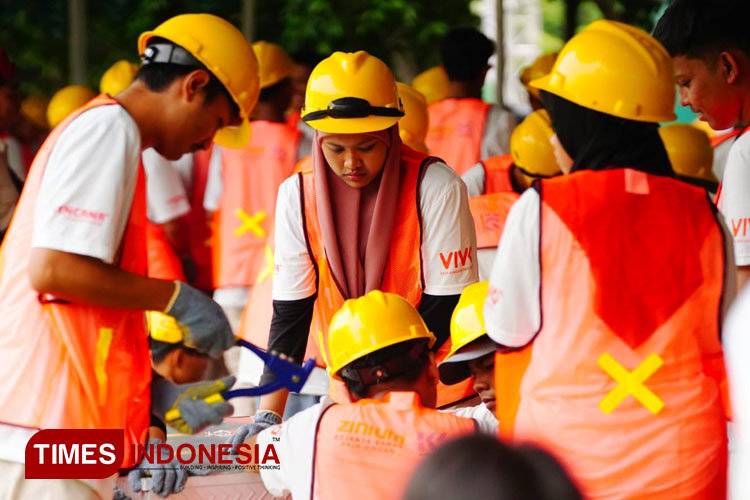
[(448, 239), (480, 413), (497, 130), (294, 442), (165, 191), (512, 311), (88, 184), (734, 202), (474, 180)]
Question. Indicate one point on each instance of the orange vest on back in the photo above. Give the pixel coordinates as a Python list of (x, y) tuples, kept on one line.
[(621, 381), (68, 365), (403, 268), (497, 174), (369, 449), (456, 131), (251, 179), (491, 209)]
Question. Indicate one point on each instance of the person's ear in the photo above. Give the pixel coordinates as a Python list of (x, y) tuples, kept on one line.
[(194, 83), (729, 67), (179, 358)]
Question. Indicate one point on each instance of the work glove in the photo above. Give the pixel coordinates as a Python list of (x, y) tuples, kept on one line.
[(165, 478), (203, 324), (262, 420), (189, 408)]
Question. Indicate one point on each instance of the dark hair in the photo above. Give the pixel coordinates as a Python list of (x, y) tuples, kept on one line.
[(700, 29), (158, 76), (465, 52), (273, 92), (306, 57), (481, 467), (404, 362)]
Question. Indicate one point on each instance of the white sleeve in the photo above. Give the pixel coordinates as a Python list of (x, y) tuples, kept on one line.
[(474, 180), (294, 443), (497, 130), (88, 183), (294, 274), (735, 198), (485, 419), (165, 191), (449, 241), (512, 311), (214, 183)]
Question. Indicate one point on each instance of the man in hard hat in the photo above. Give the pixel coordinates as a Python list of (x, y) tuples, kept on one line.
[(463, 128), (690, 153), (472, 354), (710, 48), (433, 83), (541, 66), (380, 347), (73, 263)]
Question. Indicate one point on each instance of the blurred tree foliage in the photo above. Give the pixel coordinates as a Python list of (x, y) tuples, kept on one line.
[(403, 32)]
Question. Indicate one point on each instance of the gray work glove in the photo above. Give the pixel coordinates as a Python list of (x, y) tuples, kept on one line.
[(203, 324), (165, 478), (262, 420), (190, 408)]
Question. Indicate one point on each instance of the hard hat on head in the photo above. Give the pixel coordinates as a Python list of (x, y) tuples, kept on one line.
[(469, 338), (369, 323), (117, 77), (163, 328), (433, 83), (222, 49), (531, 147), (34, 109), (351, 93), (690, 152), (413, 126), (65, 101), (615, 69), (273, 63), (539, 68)]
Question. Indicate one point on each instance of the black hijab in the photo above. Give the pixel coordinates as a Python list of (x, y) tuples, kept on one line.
[(598, 141)]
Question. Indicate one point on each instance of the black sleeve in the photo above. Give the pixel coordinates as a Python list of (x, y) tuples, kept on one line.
[(437, 311), (290, 327)]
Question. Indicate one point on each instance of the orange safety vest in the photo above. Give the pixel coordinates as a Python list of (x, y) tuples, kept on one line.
[(200, 228), (68, 365), (369, 449), (497, 174), (163, 262), (491, 209), (622, 380), (456, 131), (252, 176)]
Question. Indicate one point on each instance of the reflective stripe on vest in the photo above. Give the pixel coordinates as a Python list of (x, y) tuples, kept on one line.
[(456, 131), (631, 291), (251, 179), (67, 365), (403, 268), (497, 174), (369, 449)]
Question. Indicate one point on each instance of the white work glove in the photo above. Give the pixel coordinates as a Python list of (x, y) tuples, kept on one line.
[(190, 408), (203, 323)]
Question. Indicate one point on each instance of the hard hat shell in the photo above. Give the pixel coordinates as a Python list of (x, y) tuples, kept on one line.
[(539, 68), (118, 77), (531, 147), (689, 150), (273, 63), (413, 126), (433, 83), (65, 101)]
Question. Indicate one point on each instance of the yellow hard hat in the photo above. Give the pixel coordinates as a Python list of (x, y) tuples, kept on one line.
[(616, 69), (117, 77), (273, 63), (467, 327), (225, 52), (370, 323), (34, 109), (351, 93), (690, 151), (531, 147), (65, 101), (413, 126), (433, 84), (163, 328), (539, 68)]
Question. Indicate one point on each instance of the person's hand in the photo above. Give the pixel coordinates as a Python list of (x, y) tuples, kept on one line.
[(190, 408), (203, 324), (166, 478), (262, 420)]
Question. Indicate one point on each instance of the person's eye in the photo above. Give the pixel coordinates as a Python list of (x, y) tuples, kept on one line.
[(366, 149), (684, 83), (335, 149)]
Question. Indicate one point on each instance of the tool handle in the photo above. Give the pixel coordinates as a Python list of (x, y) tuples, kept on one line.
[(174, 413)]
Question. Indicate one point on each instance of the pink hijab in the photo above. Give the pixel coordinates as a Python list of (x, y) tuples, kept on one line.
[(356, 223)]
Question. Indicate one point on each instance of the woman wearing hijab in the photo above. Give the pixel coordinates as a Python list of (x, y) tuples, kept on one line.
[(372, 215), (609, 287)]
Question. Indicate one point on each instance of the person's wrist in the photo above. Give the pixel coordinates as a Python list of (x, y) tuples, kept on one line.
[(173, 297)]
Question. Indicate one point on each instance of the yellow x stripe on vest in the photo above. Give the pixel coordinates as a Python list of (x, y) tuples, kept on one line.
[(251, 223), (630, 383)]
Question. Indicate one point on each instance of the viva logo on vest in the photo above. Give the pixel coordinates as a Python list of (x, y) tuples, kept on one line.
[(456, 260), (74, 453)]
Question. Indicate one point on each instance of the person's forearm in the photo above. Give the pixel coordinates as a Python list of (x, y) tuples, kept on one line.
[(275, 402), (86, 280), (743, 277)]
